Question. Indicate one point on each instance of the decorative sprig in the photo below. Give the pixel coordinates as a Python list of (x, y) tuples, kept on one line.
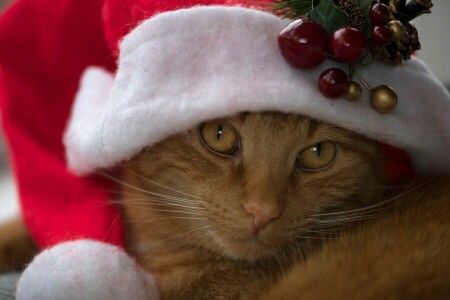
[(292, 9), (355, 32), (329, 16), (329, 13)]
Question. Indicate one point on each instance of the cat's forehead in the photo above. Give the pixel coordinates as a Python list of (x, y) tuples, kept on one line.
[(286, 125)]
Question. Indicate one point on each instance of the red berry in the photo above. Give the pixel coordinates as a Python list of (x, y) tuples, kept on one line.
[(348, 44), (379, 13), (304, 43), (381, 34), (333, 83)]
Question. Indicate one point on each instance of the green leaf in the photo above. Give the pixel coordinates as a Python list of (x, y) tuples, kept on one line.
[(365, 6), (329, 16), (292, 9)]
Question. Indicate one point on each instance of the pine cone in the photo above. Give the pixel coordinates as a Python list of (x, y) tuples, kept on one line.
[(355, 14), (406, 11), (395, 53)]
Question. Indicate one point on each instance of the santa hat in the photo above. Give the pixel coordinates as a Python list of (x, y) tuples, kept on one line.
[(180, 68), (181, 63)]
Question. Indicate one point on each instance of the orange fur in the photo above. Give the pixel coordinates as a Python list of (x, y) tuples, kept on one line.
[(199, 239), (402, 254), (16, 246)]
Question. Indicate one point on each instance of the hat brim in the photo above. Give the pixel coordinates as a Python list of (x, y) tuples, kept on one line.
[(180, 68)]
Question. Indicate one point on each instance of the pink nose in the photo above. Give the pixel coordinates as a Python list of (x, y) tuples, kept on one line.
[(263, 213)]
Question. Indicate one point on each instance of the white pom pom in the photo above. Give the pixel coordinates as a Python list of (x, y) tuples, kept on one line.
[(85, 269)]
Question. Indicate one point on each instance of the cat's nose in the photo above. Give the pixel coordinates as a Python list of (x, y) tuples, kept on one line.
[(263, 213)]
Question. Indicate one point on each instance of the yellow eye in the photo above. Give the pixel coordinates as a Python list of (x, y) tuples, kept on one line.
[(317, 157), (219, 137)]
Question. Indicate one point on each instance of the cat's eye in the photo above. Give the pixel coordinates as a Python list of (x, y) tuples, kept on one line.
[(220, 137), (317, 157)]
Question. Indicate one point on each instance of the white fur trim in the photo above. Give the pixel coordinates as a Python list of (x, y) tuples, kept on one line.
[(85, 269), (180, 68), (85, 126)]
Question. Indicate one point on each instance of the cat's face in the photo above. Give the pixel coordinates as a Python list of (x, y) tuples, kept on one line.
[(246, 186)]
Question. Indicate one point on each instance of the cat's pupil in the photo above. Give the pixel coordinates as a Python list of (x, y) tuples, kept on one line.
[(219, 132), (317, 149)]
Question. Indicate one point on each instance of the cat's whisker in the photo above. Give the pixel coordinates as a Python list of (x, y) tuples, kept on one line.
[(353, 211), (299, 250), (332, 223), (210, 235), (166, 197), (122, 193), (187, 232), (378, 204), (303, 246), (363, 214), (331, 228), (159, 202), (221, 256), (343, 222), (151, 220), (137, 188), (342, 219), (166, 210), (325, 231), (156, 183), (317, 238), (278, 261)]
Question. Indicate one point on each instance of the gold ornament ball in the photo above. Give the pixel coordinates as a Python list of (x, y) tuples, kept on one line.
[(354, 91), (383, 99), (397, 29)]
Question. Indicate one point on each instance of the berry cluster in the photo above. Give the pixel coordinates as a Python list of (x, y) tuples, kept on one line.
[(306, 44), (379, 15)]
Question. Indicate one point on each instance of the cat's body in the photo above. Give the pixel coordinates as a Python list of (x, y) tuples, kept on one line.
[(402, 253), (225, 210)]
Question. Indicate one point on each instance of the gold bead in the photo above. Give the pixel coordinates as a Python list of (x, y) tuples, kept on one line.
[(383, 99), (354, 91), (397, 29)]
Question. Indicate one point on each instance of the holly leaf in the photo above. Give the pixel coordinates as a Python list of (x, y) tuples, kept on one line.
[(329, 16), (365, 6)]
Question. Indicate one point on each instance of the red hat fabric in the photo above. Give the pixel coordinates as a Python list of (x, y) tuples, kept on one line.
[(45, 46)]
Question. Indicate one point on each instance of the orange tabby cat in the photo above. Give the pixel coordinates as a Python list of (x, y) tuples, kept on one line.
[(240, 208), (220, 211)]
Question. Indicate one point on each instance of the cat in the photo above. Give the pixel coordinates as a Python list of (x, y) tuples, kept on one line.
[(16, 246), (280, 206), (222, 210)]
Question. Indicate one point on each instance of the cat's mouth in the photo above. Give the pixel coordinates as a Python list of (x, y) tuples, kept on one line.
[(251, 247)]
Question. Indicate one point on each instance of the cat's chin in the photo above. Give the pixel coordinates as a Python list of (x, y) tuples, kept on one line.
[(249, 249)]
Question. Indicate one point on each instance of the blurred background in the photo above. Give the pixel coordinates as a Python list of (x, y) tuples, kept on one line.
[(8, 195), (434, 36)]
